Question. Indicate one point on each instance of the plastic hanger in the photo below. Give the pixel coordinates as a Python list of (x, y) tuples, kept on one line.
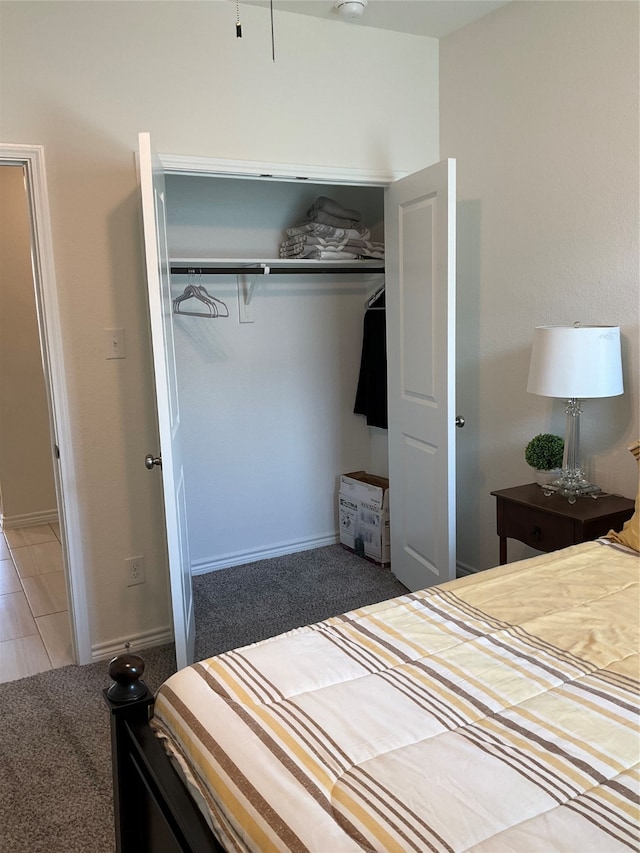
[(214, 307)]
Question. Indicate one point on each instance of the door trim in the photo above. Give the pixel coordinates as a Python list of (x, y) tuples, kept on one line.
[(31, 157), (191, 165)]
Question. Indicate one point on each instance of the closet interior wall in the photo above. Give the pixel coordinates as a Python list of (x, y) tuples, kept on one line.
[(267, 406)]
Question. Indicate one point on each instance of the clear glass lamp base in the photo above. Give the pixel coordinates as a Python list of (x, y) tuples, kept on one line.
[(572, 484)]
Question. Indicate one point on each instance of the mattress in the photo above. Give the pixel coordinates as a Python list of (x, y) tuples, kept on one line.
[(493, 713)]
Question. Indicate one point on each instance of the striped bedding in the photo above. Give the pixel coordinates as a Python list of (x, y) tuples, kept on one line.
[(494, 713)]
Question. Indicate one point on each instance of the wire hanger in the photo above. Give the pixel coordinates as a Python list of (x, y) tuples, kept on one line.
[(214, 307)]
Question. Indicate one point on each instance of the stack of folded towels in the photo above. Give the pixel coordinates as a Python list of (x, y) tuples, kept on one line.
[(330, 232)]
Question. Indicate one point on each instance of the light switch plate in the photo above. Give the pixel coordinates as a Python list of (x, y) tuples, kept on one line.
[(114, 343)]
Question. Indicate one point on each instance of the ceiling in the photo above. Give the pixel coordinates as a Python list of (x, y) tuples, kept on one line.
[(435, 18)]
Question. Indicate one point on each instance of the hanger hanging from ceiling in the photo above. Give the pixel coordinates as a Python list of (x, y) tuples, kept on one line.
[(273, 41), (211, 307)]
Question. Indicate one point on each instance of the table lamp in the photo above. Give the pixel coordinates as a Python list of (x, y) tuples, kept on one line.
[(575, 363)]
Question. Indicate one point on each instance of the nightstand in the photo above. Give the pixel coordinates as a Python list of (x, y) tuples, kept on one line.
[(548, 523)]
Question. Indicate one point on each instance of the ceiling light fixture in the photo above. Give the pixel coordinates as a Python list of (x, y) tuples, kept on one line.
[(350, 8)]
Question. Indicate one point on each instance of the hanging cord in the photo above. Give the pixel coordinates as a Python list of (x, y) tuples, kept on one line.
[(273, 41), (239, 28)]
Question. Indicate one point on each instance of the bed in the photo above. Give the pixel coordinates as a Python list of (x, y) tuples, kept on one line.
[(498, 712)]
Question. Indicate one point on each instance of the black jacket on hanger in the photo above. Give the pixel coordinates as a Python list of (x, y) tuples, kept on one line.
[(371, 396)]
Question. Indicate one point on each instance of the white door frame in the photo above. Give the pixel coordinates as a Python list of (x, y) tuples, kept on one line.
[(31, 157), (189, 164), (154, 220)]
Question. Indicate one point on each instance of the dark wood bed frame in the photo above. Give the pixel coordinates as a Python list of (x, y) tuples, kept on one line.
[(152, 807)]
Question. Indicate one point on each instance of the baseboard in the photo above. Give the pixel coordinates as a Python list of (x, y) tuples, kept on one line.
[(239, 558), (28, 519), (202, 567), (463, 570), (144, 640)]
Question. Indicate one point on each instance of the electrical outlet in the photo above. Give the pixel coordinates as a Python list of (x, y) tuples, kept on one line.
[(135, 570)]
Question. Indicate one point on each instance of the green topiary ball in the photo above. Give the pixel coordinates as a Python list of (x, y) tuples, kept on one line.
[(544, 452)]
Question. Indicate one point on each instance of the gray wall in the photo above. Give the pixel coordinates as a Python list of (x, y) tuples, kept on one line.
[(539, 103)]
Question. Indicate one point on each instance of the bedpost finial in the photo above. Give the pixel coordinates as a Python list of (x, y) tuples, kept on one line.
[(126, 671)]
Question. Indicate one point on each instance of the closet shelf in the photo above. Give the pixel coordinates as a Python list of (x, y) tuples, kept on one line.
[(276, 266)]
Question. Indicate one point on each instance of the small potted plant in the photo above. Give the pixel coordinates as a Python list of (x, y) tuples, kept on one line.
[(544, 453)]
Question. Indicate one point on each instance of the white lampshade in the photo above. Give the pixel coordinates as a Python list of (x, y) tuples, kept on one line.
[(576, 362)]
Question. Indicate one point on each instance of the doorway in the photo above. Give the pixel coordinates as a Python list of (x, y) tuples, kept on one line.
[(35, 633), (49, 524), (431, 225)]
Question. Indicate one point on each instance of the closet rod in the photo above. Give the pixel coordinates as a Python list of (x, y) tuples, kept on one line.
[(273, 269)]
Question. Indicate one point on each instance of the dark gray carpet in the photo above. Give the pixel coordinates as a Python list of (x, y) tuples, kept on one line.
[(55, 762), (243, 604)]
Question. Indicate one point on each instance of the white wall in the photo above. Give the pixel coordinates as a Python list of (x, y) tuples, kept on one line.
[(82, 79), (539, 103), (26, 470)]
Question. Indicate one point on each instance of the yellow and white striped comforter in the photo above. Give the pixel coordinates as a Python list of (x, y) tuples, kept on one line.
[(494, 713)]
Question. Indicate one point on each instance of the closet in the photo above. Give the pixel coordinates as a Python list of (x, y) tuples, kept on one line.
[(267, 393), (255, 402)]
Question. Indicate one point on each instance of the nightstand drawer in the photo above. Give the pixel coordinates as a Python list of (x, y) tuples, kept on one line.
[(542, 531)]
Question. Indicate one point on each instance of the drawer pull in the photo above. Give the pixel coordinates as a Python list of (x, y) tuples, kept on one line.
[(536, 533)]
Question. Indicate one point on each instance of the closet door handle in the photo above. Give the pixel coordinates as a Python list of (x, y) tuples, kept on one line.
[(460, 422), (150, 460)]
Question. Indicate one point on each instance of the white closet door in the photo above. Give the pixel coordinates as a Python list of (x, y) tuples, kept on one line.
[(169, 422), (420, 299)]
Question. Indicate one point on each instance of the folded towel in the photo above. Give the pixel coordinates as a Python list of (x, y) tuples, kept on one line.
[(299, 243), (317, 253), (327, 219), (313, 240), (302, 251), (327, 231), (330, 206), (331, 241)]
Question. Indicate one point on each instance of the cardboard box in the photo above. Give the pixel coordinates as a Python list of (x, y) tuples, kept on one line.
[(363, 509)]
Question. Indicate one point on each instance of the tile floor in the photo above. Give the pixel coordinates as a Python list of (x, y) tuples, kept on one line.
[(34, 617)]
